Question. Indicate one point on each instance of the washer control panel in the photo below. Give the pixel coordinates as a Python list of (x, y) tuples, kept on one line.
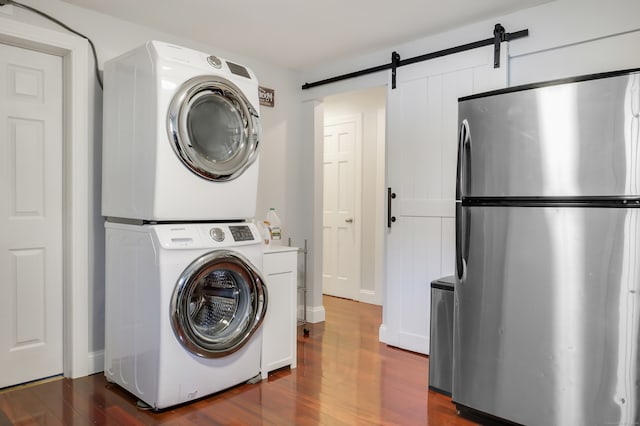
[(206, 235), (241, 233)]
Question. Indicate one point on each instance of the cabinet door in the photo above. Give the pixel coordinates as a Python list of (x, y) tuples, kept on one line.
[(279, 327)]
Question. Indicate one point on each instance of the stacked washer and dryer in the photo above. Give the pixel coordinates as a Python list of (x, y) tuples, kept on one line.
[(185, 297)]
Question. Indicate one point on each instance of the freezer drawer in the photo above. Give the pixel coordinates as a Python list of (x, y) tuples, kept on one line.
[(441, 335), (547, 315)]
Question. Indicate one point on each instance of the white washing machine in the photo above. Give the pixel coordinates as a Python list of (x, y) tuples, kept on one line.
[(184, 306), (181, 132)]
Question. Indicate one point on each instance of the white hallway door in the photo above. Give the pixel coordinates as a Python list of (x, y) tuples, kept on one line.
[(421, 171), (31, 247), (341, 236)]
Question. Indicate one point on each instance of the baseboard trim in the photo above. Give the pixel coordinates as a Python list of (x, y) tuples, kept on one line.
[(382, 334), (315, 314), (96, 362), (369, 296)]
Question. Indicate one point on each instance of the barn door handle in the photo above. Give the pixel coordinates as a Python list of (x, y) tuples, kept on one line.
[(349, 220), (390, 196)]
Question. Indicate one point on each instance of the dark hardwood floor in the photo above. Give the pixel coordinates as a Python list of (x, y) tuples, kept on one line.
[(344, 377)]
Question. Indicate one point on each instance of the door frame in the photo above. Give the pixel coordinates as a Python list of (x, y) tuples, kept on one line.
[(357, 119), (312, 126), (76, 177)]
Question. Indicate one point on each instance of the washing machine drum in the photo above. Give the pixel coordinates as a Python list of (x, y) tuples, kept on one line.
[(213, 128), (218, 303)]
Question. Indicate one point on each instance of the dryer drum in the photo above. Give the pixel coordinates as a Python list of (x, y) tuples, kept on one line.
[(213, 128), (219, 301)]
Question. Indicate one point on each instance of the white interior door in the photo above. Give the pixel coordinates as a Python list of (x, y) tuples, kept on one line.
[(341, 225), (421, 170), (31, 215)]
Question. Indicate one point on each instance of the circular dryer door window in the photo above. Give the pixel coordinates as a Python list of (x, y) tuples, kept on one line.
[(213, 128), (219, 301)]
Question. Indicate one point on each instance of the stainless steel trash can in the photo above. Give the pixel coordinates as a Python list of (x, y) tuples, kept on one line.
[(441, 335)]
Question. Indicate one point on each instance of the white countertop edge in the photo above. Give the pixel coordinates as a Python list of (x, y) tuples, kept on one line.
[(277, 249)]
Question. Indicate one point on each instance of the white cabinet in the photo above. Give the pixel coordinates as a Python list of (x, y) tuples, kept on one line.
[(280, 270)]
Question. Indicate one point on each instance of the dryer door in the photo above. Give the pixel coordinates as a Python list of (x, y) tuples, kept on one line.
[(219, 301), (213, 128)]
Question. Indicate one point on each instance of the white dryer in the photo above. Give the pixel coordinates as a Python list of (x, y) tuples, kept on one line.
[(184, 305), (181, 132)]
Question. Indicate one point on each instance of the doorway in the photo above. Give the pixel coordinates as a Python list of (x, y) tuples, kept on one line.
[(31, 223), (77, 193), (353, 194)]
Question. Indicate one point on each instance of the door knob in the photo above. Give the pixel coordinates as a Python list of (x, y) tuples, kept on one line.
[(349, 220)]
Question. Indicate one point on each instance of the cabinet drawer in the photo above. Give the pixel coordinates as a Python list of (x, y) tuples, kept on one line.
[(276, 263)]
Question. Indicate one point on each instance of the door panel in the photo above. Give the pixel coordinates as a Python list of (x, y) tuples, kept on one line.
[(577, 139), (213, 128), (421, 168), (416, 244), (31, 216), (550, 297), (340, 273), (219, 301)]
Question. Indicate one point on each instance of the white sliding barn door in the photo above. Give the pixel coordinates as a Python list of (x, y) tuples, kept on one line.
[(31, 247), (421, 169)]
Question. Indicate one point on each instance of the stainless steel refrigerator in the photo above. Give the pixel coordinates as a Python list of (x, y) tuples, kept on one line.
[(547, 297)]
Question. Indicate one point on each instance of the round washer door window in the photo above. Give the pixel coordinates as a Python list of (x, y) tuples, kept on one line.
[(218, 303), (213, 128)]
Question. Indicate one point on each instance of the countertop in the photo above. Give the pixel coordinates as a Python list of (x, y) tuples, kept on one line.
[(274, 248)]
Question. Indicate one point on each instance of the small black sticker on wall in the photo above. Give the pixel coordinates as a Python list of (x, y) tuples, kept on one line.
[(267, 96)]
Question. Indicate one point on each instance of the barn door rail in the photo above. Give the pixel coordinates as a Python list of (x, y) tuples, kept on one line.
[(499, 35)]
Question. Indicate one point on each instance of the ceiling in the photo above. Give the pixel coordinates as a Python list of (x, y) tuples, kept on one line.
[(301, 34)]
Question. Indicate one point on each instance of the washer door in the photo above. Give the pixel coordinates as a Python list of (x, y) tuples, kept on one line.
[(219, 301), (213, 128)]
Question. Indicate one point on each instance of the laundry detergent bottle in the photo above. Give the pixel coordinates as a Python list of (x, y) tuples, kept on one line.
[(275, 226)]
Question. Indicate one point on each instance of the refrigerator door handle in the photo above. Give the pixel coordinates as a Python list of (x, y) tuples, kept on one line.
[(462, 239), (458, 239), (463, 175), (466, 213), (463, 172), (460, 264)]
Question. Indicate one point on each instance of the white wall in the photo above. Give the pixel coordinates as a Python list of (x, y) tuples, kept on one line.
[(566, 38), (112, 37), (370, 104)]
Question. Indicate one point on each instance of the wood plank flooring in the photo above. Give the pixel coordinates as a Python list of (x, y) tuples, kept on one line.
[(344, 377)]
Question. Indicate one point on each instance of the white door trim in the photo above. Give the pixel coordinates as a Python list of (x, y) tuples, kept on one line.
[(381, 211), (76, 76), (312, 124)]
